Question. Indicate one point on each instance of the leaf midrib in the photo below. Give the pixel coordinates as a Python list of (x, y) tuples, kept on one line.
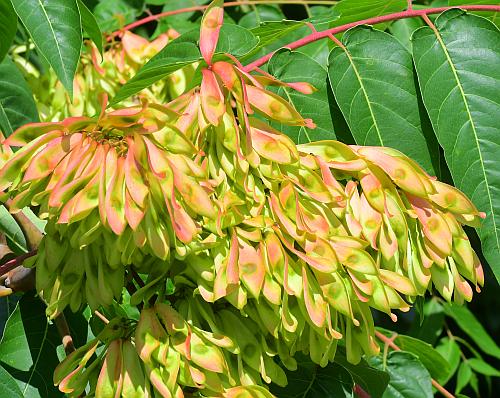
[(35, 364), (55, 40), (481, 161), (3, 115), (363, 89)]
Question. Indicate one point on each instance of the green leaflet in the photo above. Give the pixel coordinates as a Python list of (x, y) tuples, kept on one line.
[(17, 106), (184, 51), (459, 77), (466, 320), (373, 82), (356, 10), (56, 29), (311, 381), (28, 348), (433, 361), (296, 67), (10, 228), (8, 26), (90, 26), (373, 381), (8, 385), (409, 378), (494, 16)]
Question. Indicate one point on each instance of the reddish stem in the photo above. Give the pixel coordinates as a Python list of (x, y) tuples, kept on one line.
[(389, 341), (410, 13), (161, 15), (15, 262)]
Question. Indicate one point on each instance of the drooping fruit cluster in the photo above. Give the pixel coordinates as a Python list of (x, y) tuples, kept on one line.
[(276, 248), (324, 228), (117, 188), (107, 73), (170, 353)]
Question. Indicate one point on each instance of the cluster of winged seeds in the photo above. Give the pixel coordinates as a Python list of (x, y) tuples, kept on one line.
[(273, 248), (169, 356), (107, 73)]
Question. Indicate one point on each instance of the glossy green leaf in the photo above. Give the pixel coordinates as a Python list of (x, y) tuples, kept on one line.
[(17, 106), (28, 349), (403, 29), (174, 56), (10, 228), (90, 25), (312, 381), (291, 66), (450, 350), (373, 381), (459, 77), (373, 82), (322, 17), (8, 385), (463, 376), (7, 306), (56, 29), (409, 378), (494, 16), (356, 10), (474, 384), (272, 32), (8, 26), (470, 325), (236, 40), (433, 361), (482, 367)]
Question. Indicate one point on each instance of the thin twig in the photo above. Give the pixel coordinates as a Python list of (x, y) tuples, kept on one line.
[(410, 5), (63, 329), (161, 15), (370, 21), (15, 262), (389, 342), (101, 317)]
